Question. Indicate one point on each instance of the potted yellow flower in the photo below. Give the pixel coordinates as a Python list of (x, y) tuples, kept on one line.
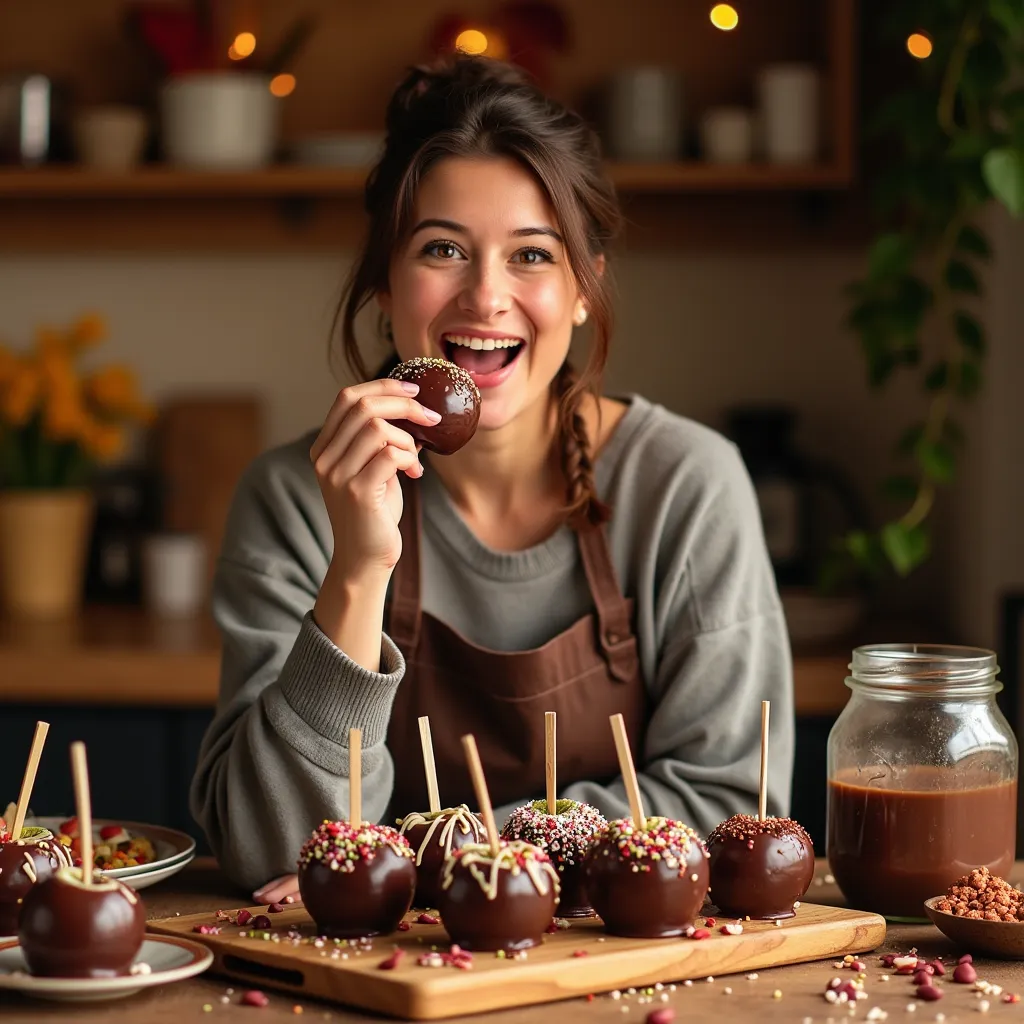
[(57, 424)]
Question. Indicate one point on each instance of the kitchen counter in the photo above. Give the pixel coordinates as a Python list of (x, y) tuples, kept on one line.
[(733, 997)]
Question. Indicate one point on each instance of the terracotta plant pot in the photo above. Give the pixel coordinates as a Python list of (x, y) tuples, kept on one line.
[(44, 536)]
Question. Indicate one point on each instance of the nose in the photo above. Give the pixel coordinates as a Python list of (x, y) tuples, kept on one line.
[(486, 294)]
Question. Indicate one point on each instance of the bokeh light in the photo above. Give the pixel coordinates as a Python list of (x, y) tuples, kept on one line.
[(472, 41), (244, 44), (282, 85), (725, 17), (919, 46)]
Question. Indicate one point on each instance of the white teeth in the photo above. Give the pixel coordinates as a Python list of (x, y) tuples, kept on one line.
[(485, 344)]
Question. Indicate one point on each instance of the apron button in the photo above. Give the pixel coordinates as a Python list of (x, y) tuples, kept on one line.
[(612, 638)]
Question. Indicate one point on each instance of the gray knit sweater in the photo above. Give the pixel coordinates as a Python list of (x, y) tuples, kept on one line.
[(687, 546)]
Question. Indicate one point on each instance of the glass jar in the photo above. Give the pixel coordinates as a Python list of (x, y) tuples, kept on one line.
[(922, 776)]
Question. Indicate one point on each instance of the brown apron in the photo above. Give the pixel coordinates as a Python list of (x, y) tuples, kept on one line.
[(585, 674)]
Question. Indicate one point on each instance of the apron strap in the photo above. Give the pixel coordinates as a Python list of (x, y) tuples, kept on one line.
[(405, 612), (614, 631)]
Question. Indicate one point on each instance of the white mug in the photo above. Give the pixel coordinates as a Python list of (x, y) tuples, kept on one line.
[(727, 135), (789, 109), (174, 574), (645, 114), (110, 138)]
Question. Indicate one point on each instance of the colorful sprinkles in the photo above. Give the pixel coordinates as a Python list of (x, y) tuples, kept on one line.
[(342, 846), (564, 835), (663, 840), (414, 368), (743, 827)]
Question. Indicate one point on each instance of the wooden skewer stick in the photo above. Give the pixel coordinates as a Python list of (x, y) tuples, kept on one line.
[(29, 779), (762, 790), (355, 777), (628, 771), (549, 759), (483, 798), (83, 806), (428, 765)]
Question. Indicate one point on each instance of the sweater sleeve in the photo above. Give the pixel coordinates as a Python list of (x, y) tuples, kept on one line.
[(274, 761), (713, 644)]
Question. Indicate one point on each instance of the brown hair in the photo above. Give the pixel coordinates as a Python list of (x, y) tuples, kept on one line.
[(471, 107)]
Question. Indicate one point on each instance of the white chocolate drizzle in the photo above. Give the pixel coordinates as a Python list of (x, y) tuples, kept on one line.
[(460, 816), (30, 868), (514, 856)]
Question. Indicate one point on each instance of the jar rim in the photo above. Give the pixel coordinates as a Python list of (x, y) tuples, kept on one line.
[(936, 666)]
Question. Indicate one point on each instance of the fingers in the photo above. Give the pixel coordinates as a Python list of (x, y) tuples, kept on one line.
[(344, 457), (380, 469), (278, 890), (350, 398)]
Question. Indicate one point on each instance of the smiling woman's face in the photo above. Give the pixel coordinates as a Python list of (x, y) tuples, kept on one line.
[(483, 280)]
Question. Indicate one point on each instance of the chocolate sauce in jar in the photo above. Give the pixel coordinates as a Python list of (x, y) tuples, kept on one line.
[(896, 842)]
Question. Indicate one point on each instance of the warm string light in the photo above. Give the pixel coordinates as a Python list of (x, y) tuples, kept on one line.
[(919, 46), (471, 41), (243, 46), (282, 85), (725, 17)]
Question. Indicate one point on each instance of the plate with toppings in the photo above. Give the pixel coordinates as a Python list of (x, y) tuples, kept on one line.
[(139, 854)]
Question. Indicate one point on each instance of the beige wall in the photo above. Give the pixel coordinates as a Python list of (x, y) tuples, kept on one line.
[(695, 333)]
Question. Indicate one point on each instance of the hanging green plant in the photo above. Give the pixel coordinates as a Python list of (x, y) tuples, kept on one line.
[(954, 141)]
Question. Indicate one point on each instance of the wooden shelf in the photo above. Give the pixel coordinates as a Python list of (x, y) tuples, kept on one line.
[(122, 657), (339, 182)]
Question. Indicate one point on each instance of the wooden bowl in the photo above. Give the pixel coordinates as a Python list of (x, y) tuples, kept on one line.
[(1003, 940)]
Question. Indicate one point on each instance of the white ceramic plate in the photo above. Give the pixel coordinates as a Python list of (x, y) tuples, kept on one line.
[(171, 846), (169, 958)]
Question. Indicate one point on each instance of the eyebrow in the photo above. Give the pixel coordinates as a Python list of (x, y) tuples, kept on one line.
[(451, 225)]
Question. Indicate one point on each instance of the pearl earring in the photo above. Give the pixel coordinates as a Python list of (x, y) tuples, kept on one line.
[(581, 317)]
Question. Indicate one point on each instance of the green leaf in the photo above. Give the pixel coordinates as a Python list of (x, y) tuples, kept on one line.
[(973, 241), (937, 460), (1004, 174), (968, 381), (906, 547), (891, 254), (935, 379), (961, 278), (1009, 14), (970, 332), (858, 543), (900, 488)]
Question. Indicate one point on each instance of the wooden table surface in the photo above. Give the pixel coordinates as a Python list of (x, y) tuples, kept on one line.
[(736, 997)]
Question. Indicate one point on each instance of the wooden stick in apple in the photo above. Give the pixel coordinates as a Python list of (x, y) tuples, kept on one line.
[(549, 759), (483, 798), (83, 807), (628, 771), (429, 769), (29, 779), (355, 777), (762, 789)]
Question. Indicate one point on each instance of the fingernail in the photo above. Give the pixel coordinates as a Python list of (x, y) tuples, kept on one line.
[(409, 388), (431, 415)]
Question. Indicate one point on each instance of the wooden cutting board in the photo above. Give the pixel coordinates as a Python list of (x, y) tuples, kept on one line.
[(351, 975)]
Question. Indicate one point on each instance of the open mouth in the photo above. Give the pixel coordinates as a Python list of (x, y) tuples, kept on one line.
[(481, 356)]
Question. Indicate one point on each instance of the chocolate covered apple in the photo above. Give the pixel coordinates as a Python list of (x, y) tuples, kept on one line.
[(759, 868), (447, 389), (356, 880), (498, 899), (34, 857), (73, 929), (565, 836), (647, 883), (433, 836)]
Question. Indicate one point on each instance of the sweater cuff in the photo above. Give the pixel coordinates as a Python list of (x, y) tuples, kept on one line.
[(332, 694)]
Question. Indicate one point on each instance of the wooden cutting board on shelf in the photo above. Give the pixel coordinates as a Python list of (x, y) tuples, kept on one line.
[(556, 970)]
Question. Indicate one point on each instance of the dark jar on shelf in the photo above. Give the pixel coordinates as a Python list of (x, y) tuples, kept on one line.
[(922, 776)]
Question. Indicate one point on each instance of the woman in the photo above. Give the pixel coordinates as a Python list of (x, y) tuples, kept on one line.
[(581, 554)]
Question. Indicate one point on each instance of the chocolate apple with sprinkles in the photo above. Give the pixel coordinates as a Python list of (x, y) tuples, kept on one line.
[(447, 389), (563, 829), (76, 924), (500, 895), (356, 880), (27, 855), (647, 877), (760, 866)]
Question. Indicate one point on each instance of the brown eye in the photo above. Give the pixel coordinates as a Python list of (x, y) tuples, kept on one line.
[(441, 250)]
